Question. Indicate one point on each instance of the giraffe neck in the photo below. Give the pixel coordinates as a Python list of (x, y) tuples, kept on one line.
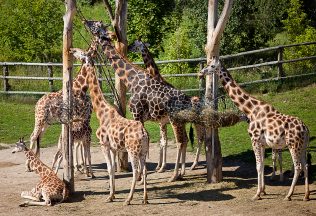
[(79, 84), (245, 102), (100, 105), (36, 164), (150, 63), (151, 66), (125, 70)]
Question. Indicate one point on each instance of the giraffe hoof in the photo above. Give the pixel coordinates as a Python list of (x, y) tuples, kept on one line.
[(110, 199), (127, 202), (173, 178), (256, 197), (92, 176), (193, 167), (161, 170), (263, 193), (145, 202), (306, 198), (23, 204), (287, 199)]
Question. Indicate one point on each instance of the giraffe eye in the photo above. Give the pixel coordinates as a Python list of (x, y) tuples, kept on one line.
[(212, 66)]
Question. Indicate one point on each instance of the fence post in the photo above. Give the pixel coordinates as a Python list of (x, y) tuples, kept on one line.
[(201, 82), (50, 74), (280, 65), (6, 85)]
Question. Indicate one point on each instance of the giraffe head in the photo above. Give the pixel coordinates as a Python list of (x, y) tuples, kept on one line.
[(80, 54), (100, 30), (19, 146), (138, 46), (213, 67)]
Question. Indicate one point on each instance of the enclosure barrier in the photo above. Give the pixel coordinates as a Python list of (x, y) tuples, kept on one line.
[(201, 61)]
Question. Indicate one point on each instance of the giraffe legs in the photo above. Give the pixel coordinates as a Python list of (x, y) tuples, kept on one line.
[(181, 140), (258, 149), (199, 132), (163, 148), (106, 152), (277, 154), (299, 161)]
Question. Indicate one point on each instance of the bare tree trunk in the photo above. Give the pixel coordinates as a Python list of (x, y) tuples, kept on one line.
[(215, 29), (67, 141), (119, 22)]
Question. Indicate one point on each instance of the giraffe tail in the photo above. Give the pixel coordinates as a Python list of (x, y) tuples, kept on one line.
[(65, 191)]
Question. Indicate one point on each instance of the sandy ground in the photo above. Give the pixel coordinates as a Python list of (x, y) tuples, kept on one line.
[(187, 197)]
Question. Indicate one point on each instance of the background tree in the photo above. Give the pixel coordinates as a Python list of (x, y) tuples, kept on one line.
[(31, 30)]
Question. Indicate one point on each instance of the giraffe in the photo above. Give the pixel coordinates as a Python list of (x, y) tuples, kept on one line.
[(150, 98), (81, 133), (140, 47), (50, 188), (49, 109), (115, 133), (267, 127)]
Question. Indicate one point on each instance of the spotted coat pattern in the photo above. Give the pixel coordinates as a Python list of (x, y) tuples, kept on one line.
[(50, 188), (267, 127), (152, 69), (115, 132)]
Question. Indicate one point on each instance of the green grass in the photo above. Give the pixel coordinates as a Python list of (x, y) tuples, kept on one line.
[(17, 119)]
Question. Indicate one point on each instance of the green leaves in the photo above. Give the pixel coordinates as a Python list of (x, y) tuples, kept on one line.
[(31, 30)]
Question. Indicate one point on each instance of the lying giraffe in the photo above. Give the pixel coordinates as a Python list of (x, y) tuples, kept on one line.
[(115, 133), (140, 47), (50, 188), (267, 127), (49, 109)]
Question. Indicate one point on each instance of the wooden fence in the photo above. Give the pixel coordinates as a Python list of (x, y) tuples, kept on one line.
[(201, 61)]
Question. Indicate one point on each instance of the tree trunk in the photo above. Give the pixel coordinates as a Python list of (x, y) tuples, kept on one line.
[(67, 141), (119, 22), (215, 29)]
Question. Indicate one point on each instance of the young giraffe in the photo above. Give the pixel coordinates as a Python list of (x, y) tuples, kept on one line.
[(140, 47), (267, 127), (49, 109), (81, 134), (50, 188), (150, 99), (115, 133)]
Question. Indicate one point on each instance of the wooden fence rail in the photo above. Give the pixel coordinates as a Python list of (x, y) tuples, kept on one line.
[(201, 61)]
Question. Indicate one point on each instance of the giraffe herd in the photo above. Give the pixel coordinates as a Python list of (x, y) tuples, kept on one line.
[(152, 98)]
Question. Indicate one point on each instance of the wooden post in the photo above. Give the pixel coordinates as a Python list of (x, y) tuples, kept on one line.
[(280, 65), (215, 28), (119, 23), (6, 85), (50, 74), (67, 141)]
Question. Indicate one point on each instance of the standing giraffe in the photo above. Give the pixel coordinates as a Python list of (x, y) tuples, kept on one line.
[(140, 47), (150, 99), (115, 133), (267, 127), (49, 109), (50, 188)]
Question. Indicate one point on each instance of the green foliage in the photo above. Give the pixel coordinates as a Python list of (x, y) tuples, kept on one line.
[(147, 19), (299, 30), (31, 30)]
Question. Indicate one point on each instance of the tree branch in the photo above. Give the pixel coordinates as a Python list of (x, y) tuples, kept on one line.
[(110, 11)]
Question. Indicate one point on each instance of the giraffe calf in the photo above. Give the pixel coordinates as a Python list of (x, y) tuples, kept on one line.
[(49, 189)]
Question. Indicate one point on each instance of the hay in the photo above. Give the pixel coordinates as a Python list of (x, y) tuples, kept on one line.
[(207, 117)]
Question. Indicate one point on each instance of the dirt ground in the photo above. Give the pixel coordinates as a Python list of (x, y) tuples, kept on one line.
[(187, 197)]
